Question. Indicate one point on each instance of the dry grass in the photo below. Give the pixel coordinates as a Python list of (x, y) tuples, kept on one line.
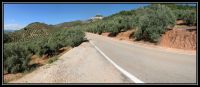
[(10, 77)]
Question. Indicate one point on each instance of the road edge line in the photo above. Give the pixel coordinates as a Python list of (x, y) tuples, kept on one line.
[(130, 76)]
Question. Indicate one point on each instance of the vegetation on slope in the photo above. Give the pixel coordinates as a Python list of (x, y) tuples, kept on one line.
[(153, 21), (186, 13), (31, 31), (42, 39), (149, 21), (69, 24), (38, 39)]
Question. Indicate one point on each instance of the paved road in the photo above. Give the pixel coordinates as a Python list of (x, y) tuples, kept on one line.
[(150, 65)]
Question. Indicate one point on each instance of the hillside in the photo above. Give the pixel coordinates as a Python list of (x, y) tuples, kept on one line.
[(31, 31), (69, 24), (149, 23), (36, 39), (37, 29)]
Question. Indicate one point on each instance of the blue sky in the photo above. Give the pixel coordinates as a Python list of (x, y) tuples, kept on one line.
[(17, 16)]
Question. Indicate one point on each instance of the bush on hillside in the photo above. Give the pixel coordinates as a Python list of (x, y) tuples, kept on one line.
[(6, 38), (17, 54), (16, 58), (114, 25), (153, 21), (180, 7), (188, 16)]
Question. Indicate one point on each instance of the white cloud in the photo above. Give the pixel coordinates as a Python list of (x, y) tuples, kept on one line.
[(13, 26)]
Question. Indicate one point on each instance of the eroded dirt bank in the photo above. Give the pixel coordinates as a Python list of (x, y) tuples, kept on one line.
[(181, 39), (176, 38)]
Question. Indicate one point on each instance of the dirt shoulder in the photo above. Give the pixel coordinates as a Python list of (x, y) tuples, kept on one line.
[(82, 64)]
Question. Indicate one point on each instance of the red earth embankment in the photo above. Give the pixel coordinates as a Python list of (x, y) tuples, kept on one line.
[(181, 39), (125, 35)]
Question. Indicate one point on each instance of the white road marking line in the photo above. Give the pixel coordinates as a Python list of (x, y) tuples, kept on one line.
[(130, 76)]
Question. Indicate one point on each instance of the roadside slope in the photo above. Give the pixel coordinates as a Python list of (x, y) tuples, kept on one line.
[(82, 64)]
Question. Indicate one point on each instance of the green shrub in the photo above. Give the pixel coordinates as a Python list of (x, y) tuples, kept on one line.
[(6, 38), (53, 59), (153, 21), (180, 7), (189, 16), (16, 58)]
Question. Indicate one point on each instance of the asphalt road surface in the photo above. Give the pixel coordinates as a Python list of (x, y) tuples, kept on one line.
[(150, 65)]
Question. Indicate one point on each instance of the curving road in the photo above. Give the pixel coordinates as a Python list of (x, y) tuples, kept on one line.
[(150, 65), (99, 62), (82, 64)]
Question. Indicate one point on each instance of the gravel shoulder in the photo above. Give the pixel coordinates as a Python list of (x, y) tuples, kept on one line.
[(82, 64)]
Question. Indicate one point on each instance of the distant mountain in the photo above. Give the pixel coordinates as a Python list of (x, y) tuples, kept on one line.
[(6, 31)]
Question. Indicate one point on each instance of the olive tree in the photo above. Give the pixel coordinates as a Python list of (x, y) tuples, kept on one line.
[(153, 21)]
